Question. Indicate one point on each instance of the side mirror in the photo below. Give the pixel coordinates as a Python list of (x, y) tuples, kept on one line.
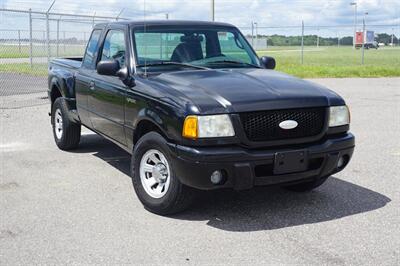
[(108, 68), (112, 68), (268, 62), (124, 76)]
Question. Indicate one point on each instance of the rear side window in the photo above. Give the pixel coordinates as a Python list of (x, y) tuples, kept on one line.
[(114, 47), (91, 49)]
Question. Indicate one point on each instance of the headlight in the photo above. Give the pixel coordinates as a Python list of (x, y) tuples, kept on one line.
[(339, 116), (209, 126)]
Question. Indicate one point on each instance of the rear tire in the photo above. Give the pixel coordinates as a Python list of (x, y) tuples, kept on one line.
[(66, 133), (307, 186), (154, 179)]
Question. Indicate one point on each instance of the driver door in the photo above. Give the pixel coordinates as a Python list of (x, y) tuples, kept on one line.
[(107, 98)]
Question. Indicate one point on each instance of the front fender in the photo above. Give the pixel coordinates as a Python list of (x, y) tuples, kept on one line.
[(159, 119), (144, 113)]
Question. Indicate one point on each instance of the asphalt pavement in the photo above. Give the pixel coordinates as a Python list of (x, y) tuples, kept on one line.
[(75, 207)]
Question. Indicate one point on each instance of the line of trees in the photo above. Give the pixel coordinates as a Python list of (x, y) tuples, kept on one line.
[(282, 40), (386, 38)]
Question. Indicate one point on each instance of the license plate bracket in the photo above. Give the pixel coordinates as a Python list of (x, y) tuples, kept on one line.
[(290, 162)]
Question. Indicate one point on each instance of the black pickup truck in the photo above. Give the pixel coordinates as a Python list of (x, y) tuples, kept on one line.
[(198, 110)]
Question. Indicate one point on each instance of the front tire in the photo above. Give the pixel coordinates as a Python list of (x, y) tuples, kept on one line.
[(154, 179), (66, 133), (307, 186)]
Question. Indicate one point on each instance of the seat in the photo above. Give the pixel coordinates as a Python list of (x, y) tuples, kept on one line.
[(187, 51)]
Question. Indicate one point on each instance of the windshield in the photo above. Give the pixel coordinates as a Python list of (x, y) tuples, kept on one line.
[(164, 48)]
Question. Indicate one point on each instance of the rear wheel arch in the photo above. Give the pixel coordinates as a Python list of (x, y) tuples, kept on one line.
[(54, 93), (66, 132)]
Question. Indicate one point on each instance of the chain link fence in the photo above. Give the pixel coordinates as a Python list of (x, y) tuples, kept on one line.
[(306, 38), (36, 37), (27, 47)]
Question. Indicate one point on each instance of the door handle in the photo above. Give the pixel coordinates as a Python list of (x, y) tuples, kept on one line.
[(91, 85)]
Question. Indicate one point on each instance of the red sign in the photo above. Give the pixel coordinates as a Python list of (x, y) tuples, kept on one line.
[(359, 37)]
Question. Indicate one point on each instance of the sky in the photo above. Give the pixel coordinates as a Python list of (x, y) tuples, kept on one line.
[(267, 13)]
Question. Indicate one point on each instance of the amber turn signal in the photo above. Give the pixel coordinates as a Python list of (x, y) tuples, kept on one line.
[(190, 129)]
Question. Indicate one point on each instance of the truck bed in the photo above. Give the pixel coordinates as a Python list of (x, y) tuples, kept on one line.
[(68, 62)]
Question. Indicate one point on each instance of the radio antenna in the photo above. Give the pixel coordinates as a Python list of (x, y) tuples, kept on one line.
[(144, 38)]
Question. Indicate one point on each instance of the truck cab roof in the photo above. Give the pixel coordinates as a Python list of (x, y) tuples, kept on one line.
[(141, 23)]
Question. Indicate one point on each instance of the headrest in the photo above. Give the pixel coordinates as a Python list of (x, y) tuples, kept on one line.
[(192, 38)]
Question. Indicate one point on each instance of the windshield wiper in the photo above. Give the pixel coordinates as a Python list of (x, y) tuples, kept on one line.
[(232, 62), (165, 63)]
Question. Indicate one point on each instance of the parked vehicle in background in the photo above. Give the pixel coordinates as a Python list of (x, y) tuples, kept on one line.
[(374, 45), (198, 110), (368, 40)]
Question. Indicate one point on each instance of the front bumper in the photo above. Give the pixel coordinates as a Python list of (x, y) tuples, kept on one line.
[(246, 168)]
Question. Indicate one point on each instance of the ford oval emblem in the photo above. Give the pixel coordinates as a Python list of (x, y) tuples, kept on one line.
[(288, 124)]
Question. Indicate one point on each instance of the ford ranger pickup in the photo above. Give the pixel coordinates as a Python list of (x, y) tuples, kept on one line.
[(198, 110)]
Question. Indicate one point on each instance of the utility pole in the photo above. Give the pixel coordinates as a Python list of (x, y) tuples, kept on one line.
[(364, 38), (30, 38), (398, 36), (355, 23), (48, 32), (252, 34), (256, 44), (392, 37), (58, 36), (212, 10), (302, 41), (94, 17), (19, 41)]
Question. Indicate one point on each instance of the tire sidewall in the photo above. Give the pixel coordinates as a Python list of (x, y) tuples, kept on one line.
[(150, 141), (58, 105)]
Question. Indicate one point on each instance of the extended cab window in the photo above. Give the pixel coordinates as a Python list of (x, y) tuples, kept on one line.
[(91, 49), (114, 47)]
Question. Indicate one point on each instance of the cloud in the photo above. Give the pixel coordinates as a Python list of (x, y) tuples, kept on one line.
[(267, 13)]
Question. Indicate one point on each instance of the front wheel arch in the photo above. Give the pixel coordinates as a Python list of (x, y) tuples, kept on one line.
[(178, 196), (145, 126)]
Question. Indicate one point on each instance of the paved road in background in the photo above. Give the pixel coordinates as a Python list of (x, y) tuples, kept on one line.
[(80, 207), (17, 84), (20, 60)]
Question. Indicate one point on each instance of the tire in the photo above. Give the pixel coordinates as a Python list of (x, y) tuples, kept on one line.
[(66, 133), (307, 186), (159, 190)]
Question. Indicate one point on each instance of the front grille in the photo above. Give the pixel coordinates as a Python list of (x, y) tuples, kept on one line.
[(264, 125)]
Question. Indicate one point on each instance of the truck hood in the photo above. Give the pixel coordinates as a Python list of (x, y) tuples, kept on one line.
[(244, 90)]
